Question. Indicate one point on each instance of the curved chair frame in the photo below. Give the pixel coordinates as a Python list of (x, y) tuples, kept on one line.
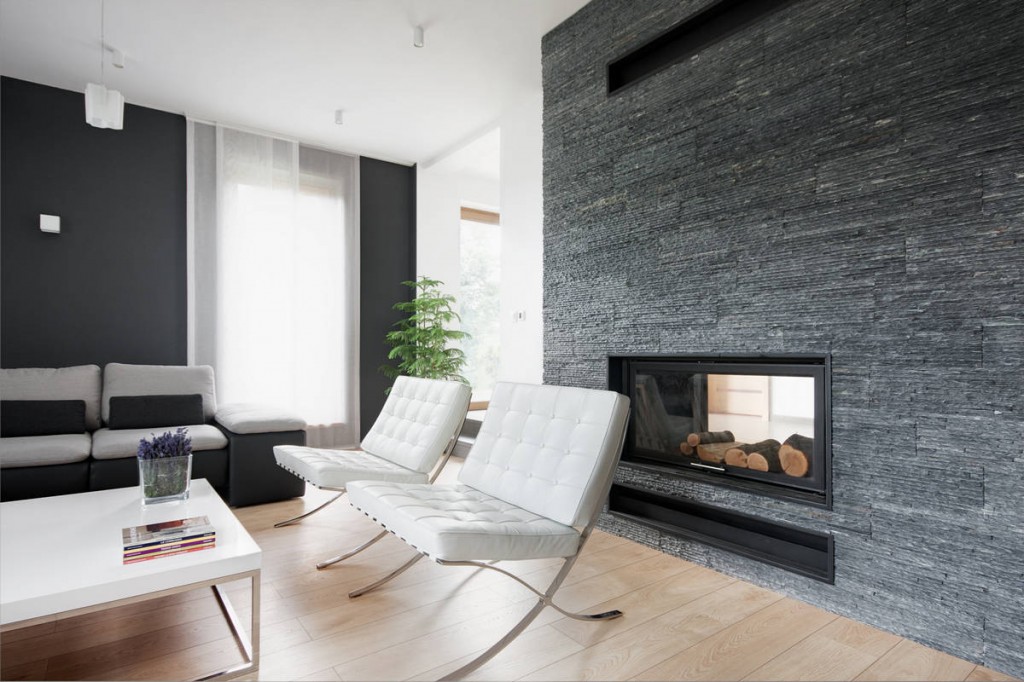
[(545, 598), (445, 456)]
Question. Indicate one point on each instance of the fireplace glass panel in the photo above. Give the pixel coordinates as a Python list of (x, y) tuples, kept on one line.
[(734, 421)]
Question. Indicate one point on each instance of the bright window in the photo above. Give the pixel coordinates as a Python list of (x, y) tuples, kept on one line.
[(479, 298)]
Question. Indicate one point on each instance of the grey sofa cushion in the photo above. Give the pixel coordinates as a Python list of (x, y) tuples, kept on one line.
[(44, 450), (119, 379), (257, 418), (63, 383), (108, 444)]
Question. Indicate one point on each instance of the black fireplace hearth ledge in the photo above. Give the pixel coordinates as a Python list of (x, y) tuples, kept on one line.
[(806, 552)]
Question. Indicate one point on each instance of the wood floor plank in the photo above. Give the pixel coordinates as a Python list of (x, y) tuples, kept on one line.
[(378, 635), (739, 649), (912, 661), (533, 649), (77, 664), (439, 646), (841, 650), (983, 674), (644, 604), (634, 650), (85, 632)]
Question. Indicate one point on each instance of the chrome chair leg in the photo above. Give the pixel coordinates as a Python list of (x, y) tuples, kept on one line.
[(517, 629), (351, 552), (298, 518), (390, 576)]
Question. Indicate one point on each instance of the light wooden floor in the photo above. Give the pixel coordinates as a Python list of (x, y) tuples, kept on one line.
[(682, 622)]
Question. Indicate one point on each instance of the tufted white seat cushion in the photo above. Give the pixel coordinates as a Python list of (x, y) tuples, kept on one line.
[(335, 468), (406, 441), (540, 467), (457, 523)]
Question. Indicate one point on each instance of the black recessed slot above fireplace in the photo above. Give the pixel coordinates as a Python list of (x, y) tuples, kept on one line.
[(761, 424), (808, 553), (716, 22)]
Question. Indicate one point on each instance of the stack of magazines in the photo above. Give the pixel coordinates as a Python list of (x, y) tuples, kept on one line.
[(180, 536)]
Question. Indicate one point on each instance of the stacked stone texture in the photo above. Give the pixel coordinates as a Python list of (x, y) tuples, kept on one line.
[(844, 177)]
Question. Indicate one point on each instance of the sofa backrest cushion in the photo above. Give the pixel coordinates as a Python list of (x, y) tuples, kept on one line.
[(155, 411), (41, 417), (81, 382), (139, 380)]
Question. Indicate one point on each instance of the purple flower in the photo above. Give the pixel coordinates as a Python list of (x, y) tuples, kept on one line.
[(168, 444)]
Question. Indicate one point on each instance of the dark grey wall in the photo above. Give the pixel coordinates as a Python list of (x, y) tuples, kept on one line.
[(111, 286), (845, 177), (387, 205)]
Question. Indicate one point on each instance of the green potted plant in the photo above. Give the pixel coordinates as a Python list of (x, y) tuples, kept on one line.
[(421, 340)]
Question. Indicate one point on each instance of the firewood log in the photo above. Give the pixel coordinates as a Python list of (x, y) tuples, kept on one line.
[(686, 449), (737, 456), (696, 439), (714, 453), (795, 455), (764, 461)]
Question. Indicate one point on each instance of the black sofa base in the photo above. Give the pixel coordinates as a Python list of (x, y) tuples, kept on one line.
[(105, 474), (253, 474), (22, 483)]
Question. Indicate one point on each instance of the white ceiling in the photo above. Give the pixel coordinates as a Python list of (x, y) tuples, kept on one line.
[(285, 66)]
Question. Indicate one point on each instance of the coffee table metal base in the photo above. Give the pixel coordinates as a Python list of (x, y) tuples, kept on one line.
[(248, 646)]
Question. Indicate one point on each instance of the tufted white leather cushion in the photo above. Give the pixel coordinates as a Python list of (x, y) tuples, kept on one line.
[(548, 449), (335, 468), (457, 523), (120, 379), (107, 444), (418, 419)]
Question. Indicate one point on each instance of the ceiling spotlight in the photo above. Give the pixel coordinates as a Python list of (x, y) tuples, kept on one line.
[(417, 36), (339, 116)]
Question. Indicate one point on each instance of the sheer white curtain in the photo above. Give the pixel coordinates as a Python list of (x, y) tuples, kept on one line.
[(274, 273)]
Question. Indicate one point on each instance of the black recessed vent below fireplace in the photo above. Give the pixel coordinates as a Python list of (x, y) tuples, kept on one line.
[(806, 552), (687, 38)]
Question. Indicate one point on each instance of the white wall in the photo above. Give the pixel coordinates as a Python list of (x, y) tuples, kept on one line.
[(522, 246), (443, 186)]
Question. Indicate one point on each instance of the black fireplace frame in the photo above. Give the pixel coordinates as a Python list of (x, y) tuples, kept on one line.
[(815, 365)]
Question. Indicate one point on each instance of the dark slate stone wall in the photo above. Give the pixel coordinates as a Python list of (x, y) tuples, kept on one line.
[(845, 177)]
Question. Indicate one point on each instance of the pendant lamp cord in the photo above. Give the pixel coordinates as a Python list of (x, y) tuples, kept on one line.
[(103, 39)]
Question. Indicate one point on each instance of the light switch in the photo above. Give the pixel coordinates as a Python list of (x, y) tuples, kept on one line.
[(519, 316), (49, 223)]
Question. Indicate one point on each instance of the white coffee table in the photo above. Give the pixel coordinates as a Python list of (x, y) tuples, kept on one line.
[(62, 556)]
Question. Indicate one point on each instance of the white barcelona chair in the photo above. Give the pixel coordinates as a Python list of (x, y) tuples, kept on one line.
[(410, 442), (531, 487)]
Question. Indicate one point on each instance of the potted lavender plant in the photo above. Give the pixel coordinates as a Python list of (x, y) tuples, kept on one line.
[(165, 467)]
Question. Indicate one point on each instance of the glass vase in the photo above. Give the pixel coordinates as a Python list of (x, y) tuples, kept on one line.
[(165, 479)]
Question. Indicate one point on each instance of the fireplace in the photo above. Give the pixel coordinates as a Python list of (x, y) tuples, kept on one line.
[(760, 424), (753, 422)]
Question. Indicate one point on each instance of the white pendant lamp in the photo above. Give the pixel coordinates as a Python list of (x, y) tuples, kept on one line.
[(104, 108)]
